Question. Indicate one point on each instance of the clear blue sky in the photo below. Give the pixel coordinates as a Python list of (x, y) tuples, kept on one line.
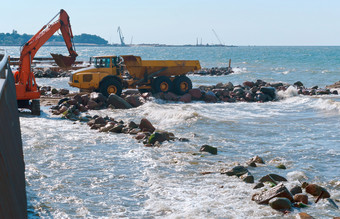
[(237, 22)]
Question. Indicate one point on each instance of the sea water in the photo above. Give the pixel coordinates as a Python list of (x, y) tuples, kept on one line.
[(73, 171)]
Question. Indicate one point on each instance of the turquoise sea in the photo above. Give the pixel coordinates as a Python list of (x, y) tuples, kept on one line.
[(72, 171)]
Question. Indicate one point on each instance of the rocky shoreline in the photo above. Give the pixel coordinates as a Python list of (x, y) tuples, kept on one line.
[(269, 190)]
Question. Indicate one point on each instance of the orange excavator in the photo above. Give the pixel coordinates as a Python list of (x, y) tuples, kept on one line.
[(26, 87)]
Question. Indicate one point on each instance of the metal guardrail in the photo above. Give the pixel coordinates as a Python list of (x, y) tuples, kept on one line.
[(13, 202)]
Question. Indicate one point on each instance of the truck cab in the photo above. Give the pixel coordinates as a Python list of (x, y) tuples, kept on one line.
[(104, 70)]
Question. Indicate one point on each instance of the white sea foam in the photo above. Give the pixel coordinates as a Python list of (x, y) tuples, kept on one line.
[(290, 92)]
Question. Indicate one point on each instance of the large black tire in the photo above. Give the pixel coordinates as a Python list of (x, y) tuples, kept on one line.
[(162, 84), (182, 84), (110, 86)]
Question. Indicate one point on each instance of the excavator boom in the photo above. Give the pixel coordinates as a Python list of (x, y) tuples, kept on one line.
[(26, 86)]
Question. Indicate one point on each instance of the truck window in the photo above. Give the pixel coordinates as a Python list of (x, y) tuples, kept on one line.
[(102, 62)]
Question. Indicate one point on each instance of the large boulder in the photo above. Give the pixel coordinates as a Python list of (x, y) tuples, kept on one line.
[(274, 178), (145, 125), (117, 102), (186, 98), (316, 190), (270, 91), (301, 198), (210, 97), (98, 97), (279, 203), (195, 93), (277, 191), (135, 100), (91, 104)]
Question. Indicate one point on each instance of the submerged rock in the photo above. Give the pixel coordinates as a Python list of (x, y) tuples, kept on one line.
[(237, 171), (209, 149)]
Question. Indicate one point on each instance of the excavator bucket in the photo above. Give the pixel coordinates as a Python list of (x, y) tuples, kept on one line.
[(63, 61)]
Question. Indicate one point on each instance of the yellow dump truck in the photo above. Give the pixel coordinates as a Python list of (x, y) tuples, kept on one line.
[(111, 74)]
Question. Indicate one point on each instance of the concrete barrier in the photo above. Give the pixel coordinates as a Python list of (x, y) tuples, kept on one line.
[(13, 203)]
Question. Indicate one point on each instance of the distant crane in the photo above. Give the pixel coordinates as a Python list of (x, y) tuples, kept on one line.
[(122, 43), (217, 37)]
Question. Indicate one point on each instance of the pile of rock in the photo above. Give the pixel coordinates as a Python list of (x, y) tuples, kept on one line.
[(258, 91), (312, 91), (49, 73), (216, 71), (71, 107), (274, 193)]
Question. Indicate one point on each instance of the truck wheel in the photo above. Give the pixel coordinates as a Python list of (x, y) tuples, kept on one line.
[(182, 85), (110, 86), (162, 84)]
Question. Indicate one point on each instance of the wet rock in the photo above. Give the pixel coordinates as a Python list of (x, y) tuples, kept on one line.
[(118, 102), (247, 178), (186, 98), (145, 125), (156, 137), (249, 84), (298, 84), (195, 93), (260, 97), (316, 190), (301, 198), (169, 96), (274, 178), (135, 100), (239, 92), (62, 109), (281, 166), (279, 203), (99, 120), (64, 91), (183, 140), (210, 97), (258, 185), (251, 163), (98, 97), (78, 98), (82, 108), (107, 127), (260, 83), (54, 91), (85, 99), (277, 191), (303, 215), (134, 131), (270, 91), (117, 128), (236, 171), (91, 104), (72, 102), (249, 97), (276, 84), (132, 125), (257, 159), (140, 136), (209, 149), (296, 190), (229, 86)]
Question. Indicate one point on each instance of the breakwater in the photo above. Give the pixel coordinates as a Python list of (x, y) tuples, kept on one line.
[(12, 168)]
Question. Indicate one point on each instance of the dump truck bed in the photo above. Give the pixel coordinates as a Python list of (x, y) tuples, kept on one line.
[(138, 67)]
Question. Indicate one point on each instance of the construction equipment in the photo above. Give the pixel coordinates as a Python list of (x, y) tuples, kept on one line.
[(217, 37), (121, 37), (107, 75), (25, 84)]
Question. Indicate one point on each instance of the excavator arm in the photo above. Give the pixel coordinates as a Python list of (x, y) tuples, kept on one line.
[(26, 86)]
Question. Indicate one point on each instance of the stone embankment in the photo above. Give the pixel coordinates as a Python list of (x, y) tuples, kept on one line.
[(48, 73)]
